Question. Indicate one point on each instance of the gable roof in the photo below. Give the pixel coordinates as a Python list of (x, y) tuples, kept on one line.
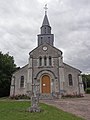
[(21, 68), (72, 67), (43, 45)]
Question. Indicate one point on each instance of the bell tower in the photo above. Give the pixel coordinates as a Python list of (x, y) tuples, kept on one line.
[(45, 36)]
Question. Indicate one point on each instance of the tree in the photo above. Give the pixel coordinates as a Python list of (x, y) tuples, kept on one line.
[(86, 80), (7, 67)]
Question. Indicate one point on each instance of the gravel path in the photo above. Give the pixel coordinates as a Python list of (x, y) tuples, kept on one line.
[(77, 106)]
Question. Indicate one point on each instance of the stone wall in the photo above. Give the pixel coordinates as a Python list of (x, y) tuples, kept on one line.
[(17, 77), (73, 89)]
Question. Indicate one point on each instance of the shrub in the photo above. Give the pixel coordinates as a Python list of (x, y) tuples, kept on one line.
[(72, 96), (17, 97), (87, 90)]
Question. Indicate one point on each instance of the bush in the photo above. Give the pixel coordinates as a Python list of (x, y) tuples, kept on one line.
[(72, 96), (87, 90), (17, 97)]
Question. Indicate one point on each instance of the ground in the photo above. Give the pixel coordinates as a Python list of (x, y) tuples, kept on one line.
[(17, 110), (77, 106)]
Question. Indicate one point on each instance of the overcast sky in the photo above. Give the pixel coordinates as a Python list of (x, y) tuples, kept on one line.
[(20, 22)]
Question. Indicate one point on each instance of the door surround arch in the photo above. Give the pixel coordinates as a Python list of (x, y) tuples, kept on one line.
[(52, 76)]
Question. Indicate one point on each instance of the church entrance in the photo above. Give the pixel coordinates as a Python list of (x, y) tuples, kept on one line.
[(46, 84)]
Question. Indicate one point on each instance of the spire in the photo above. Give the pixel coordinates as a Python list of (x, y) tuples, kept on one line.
[(45, 21), (45, 36)]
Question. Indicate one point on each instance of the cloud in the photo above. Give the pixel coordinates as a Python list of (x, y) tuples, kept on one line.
[(20, 22)]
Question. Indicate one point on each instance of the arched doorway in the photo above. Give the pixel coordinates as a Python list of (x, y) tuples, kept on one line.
[(46, 88)]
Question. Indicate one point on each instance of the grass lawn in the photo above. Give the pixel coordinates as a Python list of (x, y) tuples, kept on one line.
[(16, 110)]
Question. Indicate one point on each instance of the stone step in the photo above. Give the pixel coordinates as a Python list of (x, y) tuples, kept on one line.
[(45, 97)]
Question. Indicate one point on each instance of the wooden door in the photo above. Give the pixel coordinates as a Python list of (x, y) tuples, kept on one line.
[(45, 84)]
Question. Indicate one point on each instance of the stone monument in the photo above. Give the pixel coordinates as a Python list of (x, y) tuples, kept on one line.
[(35, 100)]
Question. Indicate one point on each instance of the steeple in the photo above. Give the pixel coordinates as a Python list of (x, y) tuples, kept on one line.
[(45, 36), (45, 21), (45, 28)]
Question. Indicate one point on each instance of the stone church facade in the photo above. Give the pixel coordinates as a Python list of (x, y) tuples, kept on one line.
[(47, 69)]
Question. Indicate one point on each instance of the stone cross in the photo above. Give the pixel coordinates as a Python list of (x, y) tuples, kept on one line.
[(35, 100)]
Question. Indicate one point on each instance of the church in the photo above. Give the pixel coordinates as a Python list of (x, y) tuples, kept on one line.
[(46, 68)]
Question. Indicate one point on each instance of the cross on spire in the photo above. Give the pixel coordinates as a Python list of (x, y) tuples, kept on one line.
[(45, 9)]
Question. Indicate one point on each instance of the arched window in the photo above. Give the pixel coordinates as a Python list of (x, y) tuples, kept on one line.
[(70, 79), (22, 82), (45, 61), (40, 61), (50, 61)]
